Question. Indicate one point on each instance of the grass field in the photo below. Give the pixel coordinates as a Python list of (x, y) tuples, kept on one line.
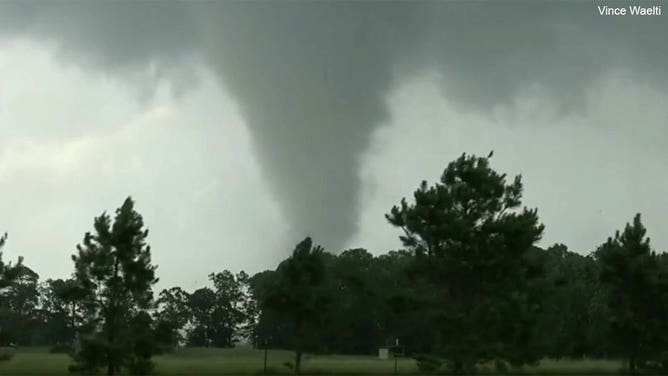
[(209, 361)]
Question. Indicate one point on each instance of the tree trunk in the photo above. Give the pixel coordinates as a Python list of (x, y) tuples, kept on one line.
[(458, 367), (111, 337), (298, 361), (74, 311), (632, 364)]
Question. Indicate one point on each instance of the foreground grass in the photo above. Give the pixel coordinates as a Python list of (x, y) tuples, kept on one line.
[(242, 361), (211, 361)]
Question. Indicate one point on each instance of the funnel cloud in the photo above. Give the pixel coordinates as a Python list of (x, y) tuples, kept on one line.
[(311, 79)]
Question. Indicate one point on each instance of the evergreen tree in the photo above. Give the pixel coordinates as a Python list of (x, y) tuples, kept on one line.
[(636, 303), (8, 272), (20, 317), (298, 296), (476, 241), (8, 275), (114, 272)]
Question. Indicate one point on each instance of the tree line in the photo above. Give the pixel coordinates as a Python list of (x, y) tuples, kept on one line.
[(470, 286)]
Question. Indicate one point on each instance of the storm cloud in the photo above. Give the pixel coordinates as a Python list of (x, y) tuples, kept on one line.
[(312, 79)]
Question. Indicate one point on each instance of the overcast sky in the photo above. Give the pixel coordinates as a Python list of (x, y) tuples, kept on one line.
[(241, 128)]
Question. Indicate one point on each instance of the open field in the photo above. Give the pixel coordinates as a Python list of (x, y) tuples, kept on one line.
[(203, 361)]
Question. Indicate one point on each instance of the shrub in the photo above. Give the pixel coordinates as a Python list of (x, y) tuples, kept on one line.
[(501, 366), (648, 365), (90, 358), (662, 363), (6, 355), (457, 366), (427, 364)]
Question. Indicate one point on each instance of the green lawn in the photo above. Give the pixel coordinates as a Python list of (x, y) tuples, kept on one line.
[(203, 361)]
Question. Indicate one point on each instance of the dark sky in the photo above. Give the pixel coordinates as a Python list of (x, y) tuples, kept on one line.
[(242, 127)]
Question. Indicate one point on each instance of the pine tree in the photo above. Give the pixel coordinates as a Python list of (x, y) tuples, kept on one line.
[(631, 270), (8, 272), (474, 241), (114, 271), (298, 296)]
